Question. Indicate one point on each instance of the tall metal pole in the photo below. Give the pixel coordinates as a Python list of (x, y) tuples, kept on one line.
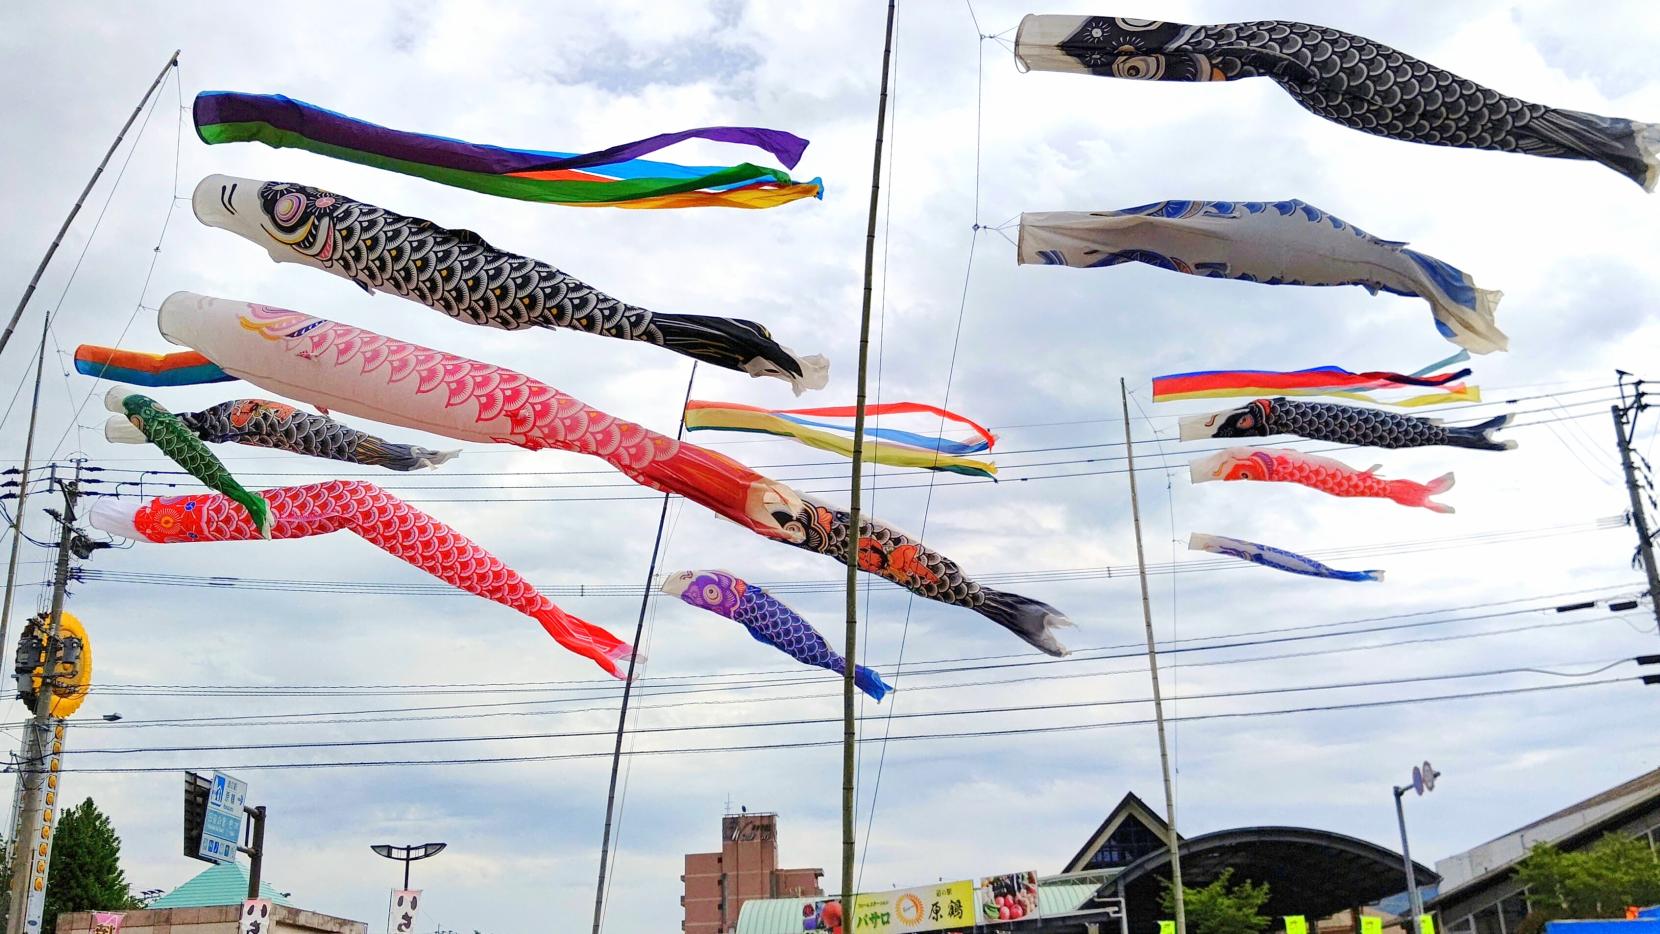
[(1645, 541), (256, 853), (850, 644), (34, 823), (34, 281), (1172, 838), (1406, 858), (628, 684)]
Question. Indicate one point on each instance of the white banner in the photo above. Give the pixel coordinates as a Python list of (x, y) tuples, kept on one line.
[(400, 915), (256, 917)]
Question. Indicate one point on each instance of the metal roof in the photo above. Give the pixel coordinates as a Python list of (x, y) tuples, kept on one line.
[(224, 884), (1313, 873)]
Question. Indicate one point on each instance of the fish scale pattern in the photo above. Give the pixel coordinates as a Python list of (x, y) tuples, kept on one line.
[(1363, 85), (460, 274), (1349, 424), (1283, 465), (266, 424), (173, 436), (392, 525)]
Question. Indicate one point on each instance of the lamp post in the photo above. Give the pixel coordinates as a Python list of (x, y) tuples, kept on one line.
[(408, 854), (1423, 779)]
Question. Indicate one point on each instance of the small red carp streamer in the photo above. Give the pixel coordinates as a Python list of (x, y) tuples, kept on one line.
[(377, 517), (1283, 465)]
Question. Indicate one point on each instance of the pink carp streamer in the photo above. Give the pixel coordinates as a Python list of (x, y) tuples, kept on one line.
[(1284, 465), (382, 520)]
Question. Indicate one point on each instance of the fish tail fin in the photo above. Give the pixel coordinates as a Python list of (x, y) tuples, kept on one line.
[(1480, 437), (1466, 313), (870, 682), (1626, 146), (376, 452), (1031, 620), (737, 344), (1416, 496), (588, 640), (1371, 575), (259, 510)]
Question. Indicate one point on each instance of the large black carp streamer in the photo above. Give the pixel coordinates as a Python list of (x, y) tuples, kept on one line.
[(1345, 78), (460, 274)]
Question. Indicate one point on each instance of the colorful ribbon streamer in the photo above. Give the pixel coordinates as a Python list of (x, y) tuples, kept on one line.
[(614, 177), (830, 429)]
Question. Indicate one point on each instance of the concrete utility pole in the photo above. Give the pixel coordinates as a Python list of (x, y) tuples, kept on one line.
[(1173, 839), (38, 811), (1625, 419)]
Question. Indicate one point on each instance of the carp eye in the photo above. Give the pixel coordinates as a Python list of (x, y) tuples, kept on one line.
[(288, 207), (1248, 421), (711, 593)]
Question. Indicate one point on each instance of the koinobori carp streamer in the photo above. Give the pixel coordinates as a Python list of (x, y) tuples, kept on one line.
[(1348, 79), (341, 368), (1284, 465), (1270, 557), (612, 177), (377, 517), (458, 273), (1272, 242), (769, 620), (277, 426), (153, 423), (1342, 424)]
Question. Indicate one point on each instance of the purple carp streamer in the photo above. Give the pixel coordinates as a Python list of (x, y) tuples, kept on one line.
[(1343, 424), (614, 177), (1271, 242), (1348, 79), (458, 273), (1270, 557), (769, 620), (262, 423)]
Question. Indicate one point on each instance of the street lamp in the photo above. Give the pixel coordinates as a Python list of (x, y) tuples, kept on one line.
[(1423, 779), (408, 854)]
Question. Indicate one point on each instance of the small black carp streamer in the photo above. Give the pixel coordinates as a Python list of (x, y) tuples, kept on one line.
[(460, 274), (262, 423), (1342, 424), (1348, 79)]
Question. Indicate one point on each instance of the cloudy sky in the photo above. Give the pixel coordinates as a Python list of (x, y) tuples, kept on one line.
[(1038, 356)]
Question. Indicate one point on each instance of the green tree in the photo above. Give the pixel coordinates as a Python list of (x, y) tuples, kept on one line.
[(86, 866), (1221, 908), (1596, 882)]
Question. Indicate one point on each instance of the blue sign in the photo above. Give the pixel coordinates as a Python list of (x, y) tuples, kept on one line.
[(222, 824)]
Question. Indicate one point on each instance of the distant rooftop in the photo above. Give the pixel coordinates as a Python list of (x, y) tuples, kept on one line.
[(224, 884), (1498, 854)]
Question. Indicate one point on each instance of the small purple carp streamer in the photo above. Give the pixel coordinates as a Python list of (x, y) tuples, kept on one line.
[(1270, 557), (769, 620), (1347, 79)]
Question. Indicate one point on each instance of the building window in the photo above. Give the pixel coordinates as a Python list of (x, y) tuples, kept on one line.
[(1464, 925), (1512, 911), (1128, 843)]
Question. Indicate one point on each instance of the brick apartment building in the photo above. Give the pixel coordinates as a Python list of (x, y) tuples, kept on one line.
[(718, 884)]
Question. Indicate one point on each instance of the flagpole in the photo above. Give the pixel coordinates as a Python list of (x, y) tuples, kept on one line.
[(1172, 839)]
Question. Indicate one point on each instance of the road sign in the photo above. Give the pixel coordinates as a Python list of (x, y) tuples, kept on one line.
[(1429, 776), (222, 824), (1418, 780)]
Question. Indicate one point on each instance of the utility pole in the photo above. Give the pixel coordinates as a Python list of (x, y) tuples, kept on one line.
[(1173, 839), (38, 810), (1625, 421)]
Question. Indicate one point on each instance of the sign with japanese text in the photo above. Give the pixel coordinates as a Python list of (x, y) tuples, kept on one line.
[(1371, 924), (940, 907), (1296, 924), (107, 922), (400, 915), (222, 824), (1426, 924)]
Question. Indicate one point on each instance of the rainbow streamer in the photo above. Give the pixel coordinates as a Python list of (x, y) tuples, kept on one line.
[(614, 177), (1322, 381), (831, 429), (187, 368)]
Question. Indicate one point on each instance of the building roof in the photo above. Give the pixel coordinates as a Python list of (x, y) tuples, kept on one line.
[(1314, 873), (1057, 895), (224, 884), (1131, 807), (1492, 861)]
